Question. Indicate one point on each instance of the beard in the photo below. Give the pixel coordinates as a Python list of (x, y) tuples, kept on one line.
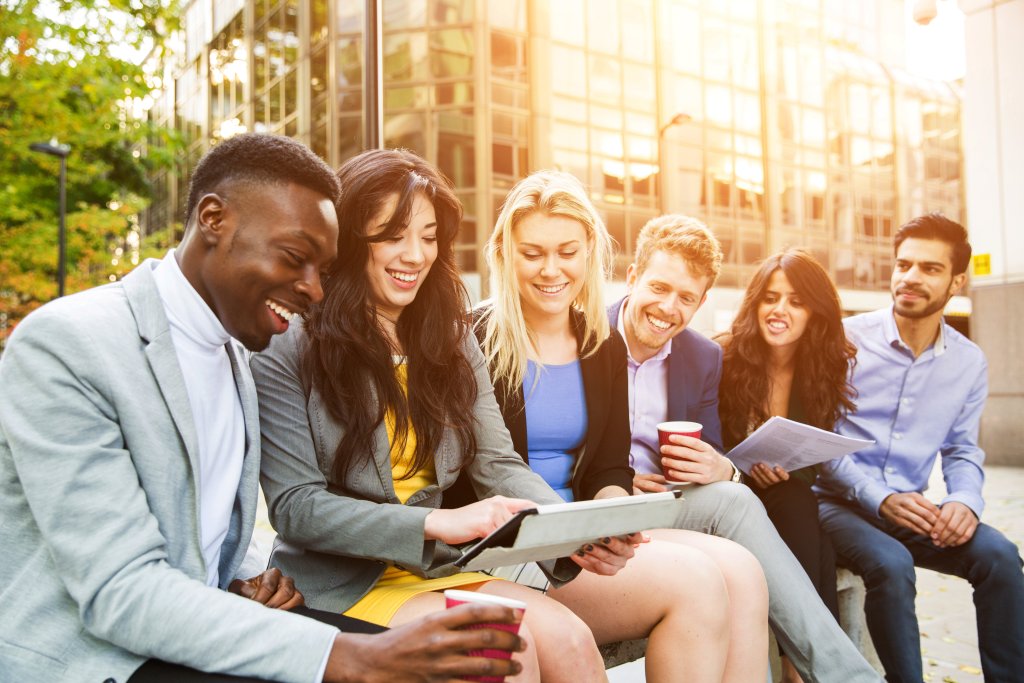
[(930, 307)]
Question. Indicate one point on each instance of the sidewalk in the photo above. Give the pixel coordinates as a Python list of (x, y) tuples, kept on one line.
[(949, 637), (949, 640)]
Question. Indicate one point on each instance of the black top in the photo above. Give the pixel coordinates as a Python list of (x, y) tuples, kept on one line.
[(603, 460)]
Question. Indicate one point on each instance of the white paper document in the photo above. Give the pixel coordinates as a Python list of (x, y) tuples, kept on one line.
[(551, 531), (792, 445)]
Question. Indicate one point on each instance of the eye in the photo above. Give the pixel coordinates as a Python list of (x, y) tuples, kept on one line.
[(796, 302), (568, 254), (432, 239), (530, 255), (293, 257), (657, 289), (770, 298)]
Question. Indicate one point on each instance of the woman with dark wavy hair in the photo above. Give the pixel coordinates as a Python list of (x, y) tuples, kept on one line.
[(787, 355), (372, 409)]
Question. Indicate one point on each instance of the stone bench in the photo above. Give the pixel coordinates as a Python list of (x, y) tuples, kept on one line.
[(851, 618)]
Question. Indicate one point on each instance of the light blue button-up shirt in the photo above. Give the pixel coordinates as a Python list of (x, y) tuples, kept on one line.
[(914, 409)]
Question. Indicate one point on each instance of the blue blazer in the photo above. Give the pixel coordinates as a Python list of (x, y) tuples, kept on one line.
[(694, 372)]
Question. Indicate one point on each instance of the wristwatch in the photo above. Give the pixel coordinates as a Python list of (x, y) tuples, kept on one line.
[(735, 472)]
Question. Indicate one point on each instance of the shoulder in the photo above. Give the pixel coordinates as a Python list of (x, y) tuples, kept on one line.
[(866, 323), (101, 314), (696, 343), (965, 350)]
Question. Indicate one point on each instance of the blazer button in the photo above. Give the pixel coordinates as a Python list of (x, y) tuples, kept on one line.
[(110, 680)]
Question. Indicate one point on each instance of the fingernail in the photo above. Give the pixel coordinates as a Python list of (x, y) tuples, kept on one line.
[(590, 546), (580, 553), (606, 539)]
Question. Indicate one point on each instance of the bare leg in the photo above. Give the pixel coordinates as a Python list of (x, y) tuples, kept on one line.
[(748, 601), (789, 672), (564, 644), (673, 595), (427, 603)]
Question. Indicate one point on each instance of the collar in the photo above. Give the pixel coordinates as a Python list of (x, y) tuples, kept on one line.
[(662, 353), (892, 333), (186, 310)]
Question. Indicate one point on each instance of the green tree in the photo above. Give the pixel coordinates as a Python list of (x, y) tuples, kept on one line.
[(74, 71)]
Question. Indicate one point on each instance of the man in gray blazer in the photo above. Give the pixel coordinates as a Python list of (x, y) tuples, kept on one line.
[(129, 457)]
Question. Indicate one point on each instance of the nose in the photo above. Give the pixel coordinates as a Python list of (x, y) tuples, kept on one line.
[(781, 306), (549, 266), (413, 252), (310, 285)]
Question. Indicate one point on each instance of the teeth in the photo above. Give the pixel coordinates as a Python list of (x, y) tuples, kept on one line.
[(658, 323), (777, 325), (281, 310), (550, 289), (404, 277)]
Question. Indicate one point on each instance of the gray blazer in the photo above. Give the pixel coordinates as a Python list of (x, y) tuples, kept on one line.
[(336, 538), (99, 509)]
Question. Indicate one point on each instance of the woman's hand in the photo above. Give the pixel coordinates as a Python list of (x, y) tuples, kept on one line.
[(764, 475), (607, 556), (474, 521)]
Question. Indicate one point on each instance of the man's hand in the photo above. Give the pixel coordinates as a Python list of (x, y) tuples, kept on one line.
[(911, 511), (607, 556), (429, 650), (474, 521), (691, 460), (955, 526), (648, 483), (764, 475), (271, 588)]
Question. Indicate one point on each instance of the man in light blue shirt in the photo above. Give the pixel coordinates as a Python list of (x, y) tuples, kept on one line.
[(921, 389)]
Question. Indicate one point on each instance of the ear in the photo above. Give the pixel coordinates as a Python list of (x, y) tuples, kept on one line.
[(631, 275), (210, 210), (957, 284)]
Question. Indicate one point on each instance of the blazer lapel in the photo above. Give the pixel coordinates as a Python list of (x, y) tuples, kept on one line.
[(250, 414), (678, 382), (148, 309)]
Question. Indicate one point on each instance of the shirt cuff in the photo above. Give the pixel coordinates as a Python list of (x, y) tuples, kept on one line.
[(973, 501), (323, 663), (872, 495)]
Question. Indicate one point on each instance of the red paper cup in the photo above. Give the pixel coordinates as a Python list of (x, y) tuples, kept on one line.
[(454, 598), (667, 429)]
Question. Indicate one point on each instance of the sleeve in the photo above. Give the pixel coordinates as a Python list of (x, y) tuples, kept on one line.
[(844, 477), (301, 508), (496, 469), (707, 408), (610, 463), (106, 545), (962, 458)]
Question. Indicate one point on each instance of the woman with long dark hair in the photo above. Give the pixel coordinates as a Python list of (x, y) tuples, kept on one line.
[(371, 410), (787, 355)]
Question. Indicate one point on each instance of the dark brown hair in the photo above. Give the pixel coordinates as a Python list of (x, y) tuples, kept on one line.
[(823, 359), (935, 226), (349, 351)]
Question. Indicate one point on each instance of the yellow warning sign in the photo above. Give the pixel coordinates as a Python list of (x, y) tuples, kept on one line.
[(982, 264)]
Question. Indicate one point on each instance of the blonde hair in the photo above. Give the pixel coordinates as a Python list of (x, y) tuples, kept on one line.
[(506, 336), (687, 238)]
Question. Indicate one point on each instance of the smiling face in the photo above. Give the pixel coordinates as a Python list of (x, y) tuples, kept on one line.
[(922, 278), (398, 266), (662, 301), (266, 248), (550, 259), (782, 316)]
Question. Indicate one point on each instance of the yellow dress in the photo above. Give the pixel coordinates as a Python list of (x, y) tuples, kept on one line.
[(397, 586)]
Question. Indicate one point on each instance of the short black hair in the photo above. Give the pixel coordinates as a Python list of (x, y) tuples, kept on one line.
[(935, 226), (261, 158)]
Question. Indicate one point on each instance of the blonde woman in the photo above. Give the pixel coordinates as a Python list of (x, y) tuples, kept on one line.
[(560, 378)]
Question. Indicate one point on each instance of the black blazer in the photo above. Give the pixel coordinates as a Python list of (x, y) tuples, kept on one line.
[(603, 460)]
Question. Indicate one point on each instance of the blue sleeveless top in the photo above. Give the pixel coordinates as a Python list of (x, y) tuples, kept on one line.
[(556, 422)]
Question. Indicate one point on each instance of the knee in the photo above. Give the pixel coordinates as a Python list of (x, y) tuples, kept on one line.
[(567, 637), (997, 557), (891, 568), (696, 591)]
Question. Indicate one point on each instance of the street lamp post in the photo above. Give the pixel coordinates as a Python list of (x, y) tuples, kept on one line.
[(676, 120), (61, 151)]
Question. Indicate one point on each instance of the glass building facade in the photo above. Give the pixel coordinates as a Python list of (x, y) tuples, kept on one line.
[(777, 122)]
